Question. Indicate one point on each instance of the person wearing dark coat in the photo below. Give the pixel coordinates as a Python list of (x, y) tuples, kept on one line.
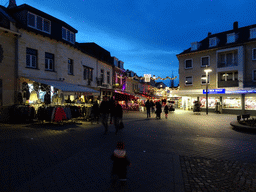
[(158, 110), (148, 107), (166, 111), (95, 112), (104, 111), (120, 163), (117, 115), (112, 105)]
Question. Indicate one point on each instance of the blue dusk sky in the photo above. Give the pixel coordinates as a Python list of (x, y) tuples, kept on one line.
[(147, 34)]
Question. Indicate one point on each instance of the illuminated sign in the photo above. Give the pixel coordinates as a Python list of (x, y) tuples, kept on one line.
[(214, 91)]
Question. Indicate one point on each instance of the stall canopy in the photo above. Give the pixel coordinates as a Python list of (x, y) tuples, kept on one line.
[(65, 87)]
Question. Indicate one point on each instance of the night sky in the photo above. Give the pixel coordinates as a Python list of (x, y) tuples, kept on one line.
[(147, 34)]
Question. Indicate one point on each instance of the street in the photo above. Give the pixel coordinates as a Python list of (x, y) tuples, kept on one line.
[(76, 156)]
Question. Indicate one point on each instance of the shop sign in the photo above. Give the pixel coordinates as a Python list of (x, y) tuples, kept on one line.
[(214, 91), (242, 91)]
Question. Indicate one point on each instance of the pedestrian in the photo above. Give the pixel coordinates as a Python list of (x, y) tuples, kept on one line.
[(152, 106), (112, 105), (95, 112), (148, 107), (158, 110), (120, 163), (166, 110), (117, 115), (104, 111)]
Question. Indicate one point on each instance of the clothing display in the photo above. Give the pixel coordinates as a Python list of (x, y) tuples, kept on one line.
[(33, 96), (47, 98)]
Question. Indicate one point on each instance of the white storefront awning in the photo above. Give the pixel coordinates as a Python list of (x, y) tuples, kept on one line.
[(66, 87)]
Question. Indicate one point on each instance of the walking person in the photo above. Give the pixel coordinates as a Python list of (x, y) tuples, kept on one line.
[(152, 106), (148, 107), (95, 112), (120, 163), (104, 111), (166, 110), (112, 105), (117, 115), (158, 110)]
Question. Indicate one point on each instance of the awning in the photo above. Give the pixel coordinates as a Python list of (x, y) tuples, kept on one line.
[(65, 87)]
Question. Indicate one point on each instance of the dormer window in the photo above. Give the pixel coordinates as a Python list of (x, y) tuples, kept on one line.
[(231, 38), (194, 46), (253, 33), (39, 23), (68, 35), (213, 42)]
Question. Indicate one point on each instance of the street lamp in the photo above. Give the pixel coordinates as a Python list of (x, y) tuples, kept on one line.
[(207, 71)]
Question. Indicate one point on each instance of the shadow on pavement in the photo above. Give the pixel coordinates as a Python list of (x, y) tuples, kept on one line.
[(54, 126)]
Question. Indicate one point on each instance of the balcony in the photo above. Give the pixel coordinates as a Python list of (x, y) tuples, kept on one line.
[(224, 64), (228, 84)]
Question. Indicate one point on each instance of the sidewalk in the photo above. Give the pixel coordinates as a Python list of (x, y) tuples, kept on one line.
[(86, 170)]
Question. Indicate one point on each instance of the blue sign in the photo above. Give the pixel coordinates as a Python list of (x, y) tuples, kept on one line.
[(214, 91)]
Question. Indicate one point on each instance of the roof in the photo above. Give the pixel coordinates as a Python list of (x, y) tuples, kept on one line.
[(3, 11), (243, 35), (41, 13)]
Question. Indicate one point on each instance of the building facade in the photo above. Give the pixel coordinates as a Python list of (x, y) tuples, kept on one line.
[(230, 56)]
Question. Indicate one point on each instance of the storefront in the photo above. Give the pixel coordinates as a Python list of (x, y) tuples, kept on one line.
[(49, 96)]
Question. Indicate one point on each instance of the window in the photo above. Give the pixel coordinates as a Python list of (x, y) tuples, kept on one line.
[(254, 75), (31, 58), (189, 80), (49, 62), (194, 46), (108, 77), (253, 33), (228, 59), (102, 75), (212, 42), (70, 66), (204, 79), (229, 76), (38, 22), (188, 64), (205, 61), (88, 73), (68, 35), (254, 54), (231, 38)]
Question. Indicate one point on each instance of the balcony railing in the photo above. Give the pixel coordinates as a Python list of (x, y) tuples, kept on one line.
[(228, 83), (225, 64)]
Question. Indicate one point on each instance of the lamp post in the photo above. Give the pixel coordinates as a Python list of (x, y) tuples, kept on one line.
[(207, 71)]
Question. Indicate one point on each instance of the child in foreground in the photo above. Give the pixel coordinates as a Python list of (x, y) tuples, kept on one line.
[(120, 163)]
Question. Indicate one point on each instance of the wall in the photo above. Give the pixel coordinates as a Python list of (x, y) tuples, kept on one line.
[(7, 72)]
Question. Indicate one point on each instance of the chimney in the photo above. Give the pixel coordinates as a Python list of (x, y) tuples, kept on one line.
[(209, 33), (235, 25), (12, 4)]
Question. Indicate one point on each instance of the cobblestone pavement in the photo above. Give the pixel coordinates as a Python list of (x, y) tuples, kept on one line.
[(204, 174)]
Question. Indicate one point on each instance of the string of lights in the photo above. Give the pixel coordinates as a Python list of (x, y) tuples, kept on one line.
[(152, 78)]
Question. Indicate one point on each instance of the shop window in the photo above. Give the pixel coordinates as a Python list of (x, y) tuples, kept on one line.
[(250, 103), (232, 102), (31, 58), (49, 61), (189, 80), (70, 66), (205, 61), (188, 64)]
